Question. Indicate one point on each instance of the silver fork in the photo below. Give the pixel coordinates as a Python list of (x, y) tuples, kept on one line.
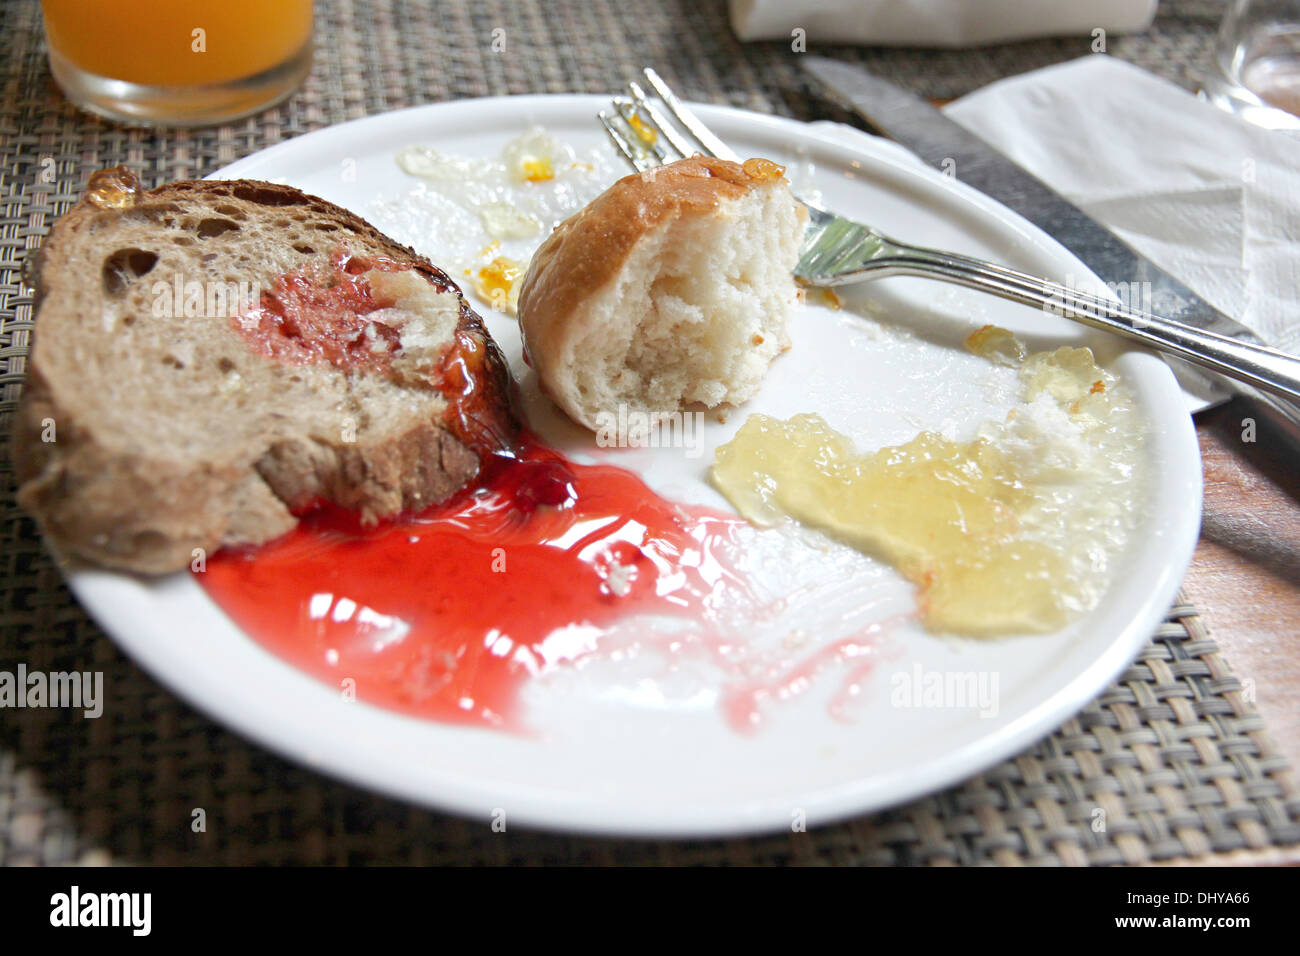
[(838, 251)]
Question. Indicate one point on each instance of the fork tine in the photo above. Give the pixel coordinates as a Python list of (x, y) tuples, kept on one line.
[(712, 145), (642, 131), (634, 156), (662, 123)]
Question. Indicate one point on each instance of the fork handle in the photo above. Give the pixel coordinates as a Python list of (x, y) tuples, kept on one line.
[(1268, 369)]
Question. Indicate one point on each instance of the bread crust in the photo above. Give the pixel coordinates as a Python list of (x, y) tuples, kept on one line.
[(587, 252), (103, 498)]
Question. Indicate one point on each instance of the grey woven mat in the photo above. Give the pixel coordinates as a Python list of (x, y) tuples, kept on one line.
[(1175, 757)]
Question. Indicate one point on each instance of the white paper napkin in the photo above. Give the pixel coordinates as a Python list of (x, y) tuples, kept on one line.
[(934, 23), (1209, 198)]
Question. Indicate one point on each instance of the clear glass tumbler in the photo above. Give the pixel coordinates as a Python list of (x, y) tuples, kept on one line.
[(1258, 52), (178, 62)]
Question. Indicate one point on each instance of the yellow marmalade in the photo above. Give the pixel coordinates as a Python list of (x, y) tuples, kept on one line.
[(1012, 532)]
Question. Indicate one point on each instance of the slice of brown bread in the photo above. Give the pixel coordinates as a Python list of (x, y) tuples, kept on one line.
[(164, 412)]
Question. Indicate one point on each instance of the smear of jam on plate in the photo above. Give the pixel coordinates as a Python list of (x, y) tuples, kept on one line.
[(447, 614)]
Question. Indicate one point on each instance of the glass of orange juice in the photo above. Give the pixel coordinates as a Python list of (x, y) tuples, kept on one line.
[(178, 62)]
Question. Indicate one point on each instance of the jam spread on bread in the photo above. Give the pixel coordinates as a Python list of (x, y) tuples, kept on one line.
[(324, 315), (483, 412), (371, 313)]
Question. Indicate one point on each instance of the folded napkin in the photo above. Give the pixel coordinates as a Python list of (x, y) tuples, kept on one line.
[(1206, 196), (934, 23)]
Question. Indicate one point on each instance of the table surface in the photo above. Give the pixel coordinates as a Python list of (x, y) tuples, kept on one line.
[(1245, 576)]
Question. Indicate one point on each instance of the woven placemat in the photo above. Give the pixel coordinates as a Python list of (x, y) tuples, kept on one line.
[(1170, 764)]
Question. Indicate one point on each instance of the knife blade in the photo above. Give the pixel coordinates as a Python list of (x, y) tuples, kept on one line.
[(943, 143)]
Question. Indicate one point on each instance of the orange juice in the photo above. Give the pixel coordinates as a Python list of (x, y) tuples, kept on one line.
[(204, 46)]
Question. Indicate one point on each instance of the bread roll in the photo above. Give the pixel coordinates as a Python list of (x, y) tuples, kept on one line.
[(672, 287)]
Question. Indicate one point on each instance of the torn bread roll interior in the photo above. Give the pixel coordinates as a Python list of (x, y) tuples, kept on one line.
[(673, 287)]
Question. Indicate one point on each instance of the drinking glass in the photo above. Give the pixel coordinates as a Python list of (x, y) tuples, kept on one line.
[(1258, 54), (178, 62)]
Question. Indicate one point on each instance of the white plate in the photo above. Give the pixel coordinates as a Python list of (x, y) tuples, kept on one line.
[(660, 763)]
